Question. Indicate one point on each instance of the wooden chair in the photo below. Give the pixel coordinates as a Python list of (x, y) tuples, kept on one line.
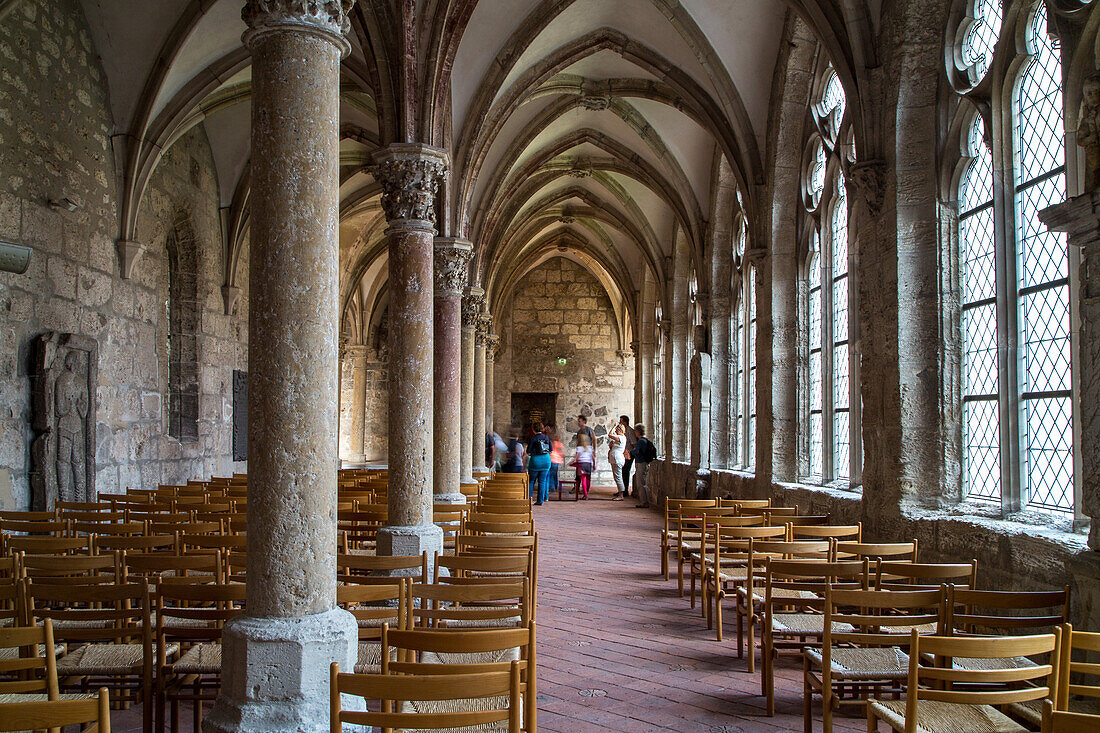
[(153, 566), (794, 604), (876, 551), (673, 519), (47, 544), (483, 527), (751, 594), (851, 532), (728, 565), (161, 543), (869, 660), (108, 634), (485, 605), (800, 520), (1075, 674), (712, 520), (381, 569), (952, 700), (1059, 721), (431, 651), (57, 714), (374, 606), (485, 569), (422, 699), (28, 661), (190, 618), (100, 569)]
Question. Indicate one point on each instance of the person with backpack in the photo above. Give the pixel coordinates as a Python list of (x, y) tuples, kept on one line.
[(644, 453), (512, 460), (538, 463)]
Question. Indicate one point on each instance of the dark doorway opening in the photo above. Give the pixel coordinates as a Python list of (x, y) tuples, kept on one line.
[(530, 406)]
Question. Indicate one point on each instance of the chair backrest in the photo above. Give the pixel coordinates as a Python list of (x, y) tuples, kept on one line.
[(48, 545), (480, 527), (117, 613), (802, 583), (495, 544), (745, 503), (1060, 721), (375, 605), (978, 682), (1074, 675), (143, 543), (476, 569), (54, 527), (72, 569), (55, 714), (879, 618), (983, 611), (416, 693), (153, 566), (381, 569), (28, 662), (676, 509), (853, 532), (911, 575), (875, 551), (191, 611), (800, 520), (486, 605), (469, 650), (729, 543)]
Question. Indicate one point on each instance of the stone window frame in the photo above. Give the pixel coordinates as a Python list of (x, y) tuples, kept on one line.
[(990, 96), (184, 313), (827, 152)]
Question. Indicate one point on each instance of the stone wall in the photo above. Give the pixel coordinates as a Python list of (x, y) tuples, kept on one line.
[(561, 310), (54, 143)]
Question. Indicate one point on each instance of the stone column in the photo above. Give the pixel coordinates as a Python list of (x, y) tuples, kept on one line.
[(452, 259), (276, 658), (477, 444), (1080, 219), (664, 353), (472, 303), (410, 175), (492, 346)]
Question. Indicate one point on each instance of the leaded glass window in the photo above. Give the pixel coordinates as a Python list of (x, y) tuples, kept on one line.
[(750, 358), (816, 383), (981, 37), (1042, 278), (980, 383), (839, 316)]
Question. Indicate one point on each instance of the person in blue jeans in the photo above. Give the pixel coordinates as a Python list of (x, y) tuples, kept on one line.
[(538, 463)]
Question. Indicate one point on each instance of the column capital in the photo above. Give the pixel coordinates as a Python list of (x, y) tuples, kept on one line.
[(410, 175), (452, 265), (867, 180), (492, 346), (327, 19), (484, 326), (472, 303)]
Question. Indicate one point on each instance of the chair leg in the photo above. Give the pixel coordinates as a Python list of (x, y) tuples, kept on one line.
[(769, 683), (807, 698), (664, 560), (680, 571), (718, 617), (750, 646), (693, 586), (740, 633), (872, 722)]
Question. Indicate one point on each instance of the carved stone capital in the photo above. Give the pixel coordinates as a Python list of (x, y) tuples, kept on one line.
[(410, 175), (128, 253), (492, 347), (230, 295), (484, 328), (325, 18), (867, 181), (473, 302), (452, 265)]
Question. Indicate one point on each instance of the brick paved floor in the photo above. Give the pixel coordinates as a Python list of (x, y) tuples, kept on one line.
[(618, 650)]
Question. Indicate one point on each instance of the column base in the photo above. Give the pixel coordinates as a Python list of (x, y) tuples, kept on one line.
[(410, 540), (276, 673), (456, 498)]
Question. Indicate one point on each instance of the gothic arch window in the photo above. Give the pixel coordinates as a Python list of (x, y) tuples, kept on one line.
[(744, 390), (1017, 411), (828, 394), (182, 310)]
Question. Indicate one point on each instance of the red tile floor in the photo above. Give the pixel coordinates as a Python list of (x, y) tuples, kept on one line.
[(618, 650)]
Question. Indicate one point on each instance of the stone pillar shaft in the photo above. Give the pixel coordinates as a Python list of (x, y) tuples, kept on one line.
[(477, 445), (410, 175), (492, 345), (354, 411), (471, 313), (452, 257)]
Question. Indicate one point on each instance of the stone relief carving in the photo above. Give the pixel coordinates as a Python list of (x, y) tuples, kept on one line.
[(868, 181), (331, 15), (452, 268), (1088, 126), (492, 347), (63, 401), (484, 326), (409, 183), (472, 305)]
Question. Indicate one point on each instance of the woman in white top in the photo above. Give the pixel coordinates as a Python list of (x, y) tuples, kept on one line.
[(616, 455)]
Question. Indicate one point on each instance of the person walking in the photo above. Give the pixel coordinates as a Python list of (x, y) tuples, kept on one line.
[(631, 440), (538, 463), (644, 454), (585, 461), (616, 456), (557, 458), (512, 460)]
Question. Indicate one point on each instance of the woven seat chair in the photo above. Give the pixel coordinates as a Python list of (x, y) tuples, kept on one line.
[(153, 566), (485, 605), (871, 659), (1073, 688), (28, 662), (107, 632), (724, 563), (142, 543), (479, 526), (374, 606), (48, 545), (472, 701), (945, 699), (431, 651), (20, 515), (190, 617), (851, 532), (876, 551), (794, 602), (703, 549), (102, 569), (673, 519), (56, 714), (890, 575), (743, 504), (1060, 721), (451, 521), (85, 520), (751, 593), (483, 569), (358, 528), (521, 507)]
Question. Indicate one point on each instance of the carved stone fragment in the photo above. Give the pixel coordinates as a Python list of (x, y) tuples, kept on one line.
[(1088, 126), (63, 418)]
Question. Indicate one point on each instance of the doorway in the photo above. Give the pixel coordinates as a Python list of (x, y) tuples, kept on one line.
[(530, 406)]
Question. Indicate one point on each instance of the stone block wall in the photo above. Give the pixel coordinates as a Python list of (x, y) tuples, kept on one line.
[(55, 143), (561, 310)]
